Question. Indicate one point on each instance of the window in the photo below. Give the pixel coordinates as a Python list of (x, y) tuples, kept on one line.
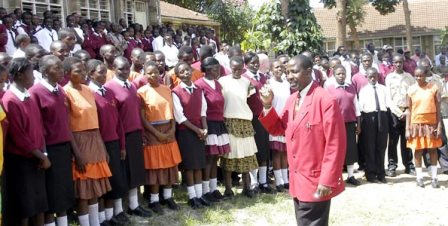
[(330, 47), (400, 43), (95, 9), (437, 43), (38, 7), (377, 42), (128, 11)]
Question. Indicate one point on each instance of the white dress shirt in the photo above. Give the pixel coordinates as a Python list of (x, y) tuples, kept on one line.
[(211, 83), (397, 88), (157, 43), (303, 94), (10, 44), (46, 37), (178, 108), (37, 76), (124, 84), (170, 53), (367, 102), (80, 33), (19, 53), (19, 94), (49, 86), (95, 88)]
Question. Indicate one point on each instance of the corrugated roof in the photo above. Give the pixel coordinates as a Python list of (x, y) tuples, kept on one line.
[(171, 11), (427, 17)]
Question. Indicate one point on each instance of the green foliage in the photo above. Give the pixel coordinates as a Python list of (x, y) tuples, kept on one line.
[(195, 5), (444, 36), (356, 12), (271, 31), (382, 6), (235, 19)]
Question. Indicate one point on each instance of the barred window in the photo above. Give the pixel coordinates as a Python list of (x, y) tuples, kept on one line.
[(95, 9), (38, 7)]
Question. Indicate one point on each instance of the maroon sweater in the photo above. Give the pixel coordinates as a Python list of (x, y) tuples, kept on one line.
[(25, 131), (191, 103), (54, 113), (214, 98)]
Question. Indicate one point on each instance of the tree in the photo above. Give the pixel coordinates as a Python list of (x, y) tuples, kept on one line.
[(341, 18), (407, 19), (195, 5), (290, 29)]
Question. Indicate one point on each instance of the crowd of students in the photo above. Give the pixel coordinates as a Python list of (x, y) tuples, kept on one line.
[(94, 111)]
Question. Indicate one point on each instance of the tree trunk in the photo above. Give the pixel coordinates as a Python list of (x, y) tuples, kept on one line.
[(285, 5), (341, 18), (354, 33), (407, 18)]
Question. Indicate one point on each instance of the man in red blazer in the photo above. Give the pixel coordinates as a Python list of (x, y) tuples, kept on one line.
[(315, 138)]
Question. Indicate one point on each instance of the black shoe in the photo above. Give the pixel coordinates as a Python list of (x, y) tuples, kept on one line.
[(382, 180), (352, 180), (286, 186), (435, 183), (209, 197), (410, 171), (139, 211), (265, 188), (248, 193), (372, 180), (420, 183), (156, 208), (217, 195), (391, 173), (171, 204), (256, 190), (194, 203), (105, 223), (204, 201), (228, 194), (280, 188), (121, 219)]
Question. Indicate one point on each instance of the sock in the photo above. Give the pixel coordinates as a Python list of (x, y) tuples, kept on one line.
[(133, 199), (118, 206), (278, 177), (62, 221), (213, 184), (262, 170), (167, 193), (51, 224), (84, 220), (102, 216), (206, 186), (253, 178), (419, 172), (198, 190), (109, 213), (191, 192), (154, 198), (285, 176), (93, 215), (350, 170), (434, 172)]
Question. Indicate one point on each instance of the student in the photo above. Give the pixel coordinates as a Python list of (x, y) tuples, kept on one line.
[(345, 94), (94, 40), (47, 34), (50, 98), (442, 68), (237, 117), (257, 80), (34, 53), (132, 43), (69, 37), (190, 109), (281, 90), (424, 124), (164, 78), (111, 130), (22, 41), (128, 105), (10, 32), (91, 175), (217, 142), (185, 55), (373, 104), (109, 53), (83, 55), (59, 49), (137, 60), (161, 152), (25, 158), (386, 67), (4, 82)]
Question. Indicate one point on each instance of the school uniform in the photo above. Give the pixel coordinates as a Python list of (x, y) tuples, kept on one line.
[(24, 29), (189, 104), (112, 133), (45, 37), (85, 127), (25, 189), (52, 105), (347, 99), (217, 142), (132, 44), (92, 44), (373, 104), (147, 44), (3, 38), (10, 45), (129, 111), (281, 91), (140, 81), (161, 158), (195, 75), (133, 75)]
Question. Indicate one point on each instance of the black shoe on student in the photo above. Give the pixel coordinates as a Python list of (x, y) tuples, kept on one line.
[(435, 183), (391, 173), (410, 171), (256, 190), (228, 194), (353, 181), (286, 186), (280, 188), (420, 183), (265, 188), (171, 204), (105, 223), (139, 211), (204, 201), (121, 219), (209, 196), (195, 203), (217, 194), (156, 208), (248, 193), (372, 180), (382, 180)]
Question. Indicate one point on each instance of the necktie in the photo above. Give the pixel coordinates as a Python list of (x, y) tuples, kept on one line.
[(297, 106), (55, 91), (190, 89), (257, 77), (12, 36), (51, 35), (378, 109), (126, 84), (102, 91)]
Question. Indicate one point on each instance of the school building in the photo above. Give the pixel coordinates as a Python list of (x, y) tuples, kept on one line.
[(428, 18), (144, 12)]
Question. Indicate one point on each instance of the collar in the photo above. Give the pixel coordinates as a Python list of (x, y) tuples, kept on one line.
[(184, 86), (49, 86), (120, 82), (252, 75), (21, 95), (96, 88), (306, 89), (340, 86)]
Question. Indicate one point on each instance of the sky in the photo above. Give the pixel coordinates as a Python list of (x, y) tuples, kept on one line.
[(257, 3)]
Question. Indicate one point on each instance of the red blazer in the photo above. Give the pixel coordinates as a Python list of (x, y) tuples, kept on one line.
[(315, 140)]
